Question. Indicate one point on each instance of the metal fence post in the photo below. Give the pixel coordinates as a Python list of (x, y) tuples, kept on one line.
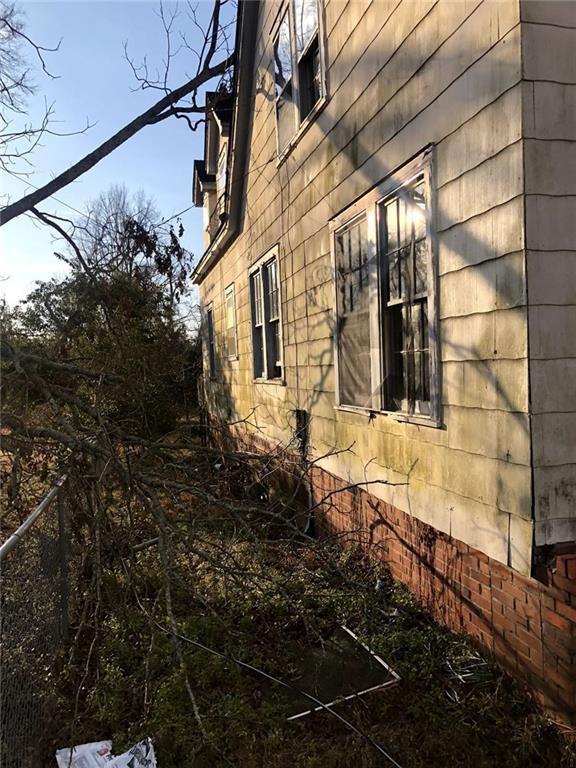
[(63, 552)]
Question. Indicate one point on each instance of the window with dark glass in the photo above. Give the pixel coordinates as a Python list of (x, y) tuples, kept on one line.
[(297, 67), (307, 54), (385, 304), (310, 79), (211, 342), (404, 267), (266, 321)]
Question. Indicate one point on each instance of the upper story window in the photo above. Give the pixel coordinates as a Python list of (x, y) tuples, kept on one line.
[(266, 319), (231, 334), (386, 340), (298, 68)]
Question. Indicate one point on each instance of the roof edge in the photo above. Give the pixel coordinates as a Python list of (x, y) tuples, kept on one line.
[(243, 77)]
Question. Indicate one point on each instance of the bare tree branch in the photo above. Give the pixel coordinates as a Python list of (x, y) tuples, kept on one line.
[(160, 111), (8, 21)]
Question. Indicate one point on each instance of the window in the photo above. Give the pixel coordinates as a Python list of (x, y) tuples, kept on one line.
[(404, 258), (298, 68), (231, 336), (211, 342), (221, 180), (385, 303), (266, 319), (353, 302)]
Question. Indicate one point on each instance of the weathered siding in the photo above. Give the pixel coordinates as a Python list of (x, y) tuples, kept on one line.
[(402, 75), (549, 68)]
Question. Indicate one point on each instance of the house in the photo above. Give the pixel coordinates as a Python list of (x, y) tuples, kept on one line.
[(393, 264)]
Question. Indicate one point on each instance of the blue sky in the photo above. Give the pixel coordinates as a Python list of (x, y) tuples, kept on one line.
[(95, 82)]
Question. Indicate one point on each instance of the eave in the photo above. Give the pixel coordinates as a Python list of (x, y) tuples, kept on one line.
[(202, 181), (242, 100)]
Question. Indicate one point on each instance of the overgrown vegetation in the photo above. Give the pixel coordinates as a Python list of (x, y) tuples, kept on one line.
[(87, 353), (263, 603)]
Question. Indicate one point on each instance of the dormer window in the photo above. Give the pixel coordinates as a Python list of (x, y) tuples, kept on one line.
[(298, 68), (211, 174)]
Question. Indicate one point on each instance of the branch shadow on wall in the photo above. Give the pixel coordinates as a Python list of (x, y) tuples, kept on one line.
[(310, 376)]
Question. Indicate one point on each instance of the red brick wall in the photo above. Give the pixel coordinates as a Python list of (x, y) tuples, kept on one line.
[(529, 627)]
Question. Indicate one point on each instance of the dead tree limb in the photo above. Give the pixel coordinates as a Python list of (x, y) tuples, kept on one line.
[(163, 109)]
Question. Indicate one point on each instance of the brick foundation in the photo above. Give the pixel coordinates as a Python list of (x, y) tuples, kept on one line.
[(529, 627)]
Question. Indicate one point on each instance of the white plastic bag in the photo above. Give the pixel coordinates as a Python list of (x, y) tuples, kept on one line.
[(99, 754), (94, 755), (140, 756)]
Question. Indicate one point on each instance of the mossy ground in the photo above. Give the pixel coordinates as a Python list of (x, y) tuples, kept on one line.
[(260, 603)]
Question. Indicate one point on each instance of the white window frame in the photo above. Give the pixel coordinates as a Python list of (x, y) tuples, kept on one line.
[(221, 174), (300, 124), (368, 206), (258, 267), (231, 291), (211, 346)]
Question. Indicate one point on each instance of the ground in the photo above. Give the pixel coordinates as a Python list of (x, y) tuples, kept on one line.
[(262, 602), (185, 605)]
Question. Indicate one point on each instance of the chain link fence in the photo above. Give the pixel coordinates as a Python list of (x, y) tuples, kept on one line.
[(33, 626)]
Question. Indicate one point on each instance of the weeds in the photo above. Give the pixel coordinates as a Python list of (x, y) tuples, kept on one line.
[(263, 602)]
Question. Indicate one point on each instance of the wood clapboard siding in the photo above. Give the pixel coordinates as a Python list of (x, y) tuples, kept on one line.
[(549, 120), (401, 75)]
